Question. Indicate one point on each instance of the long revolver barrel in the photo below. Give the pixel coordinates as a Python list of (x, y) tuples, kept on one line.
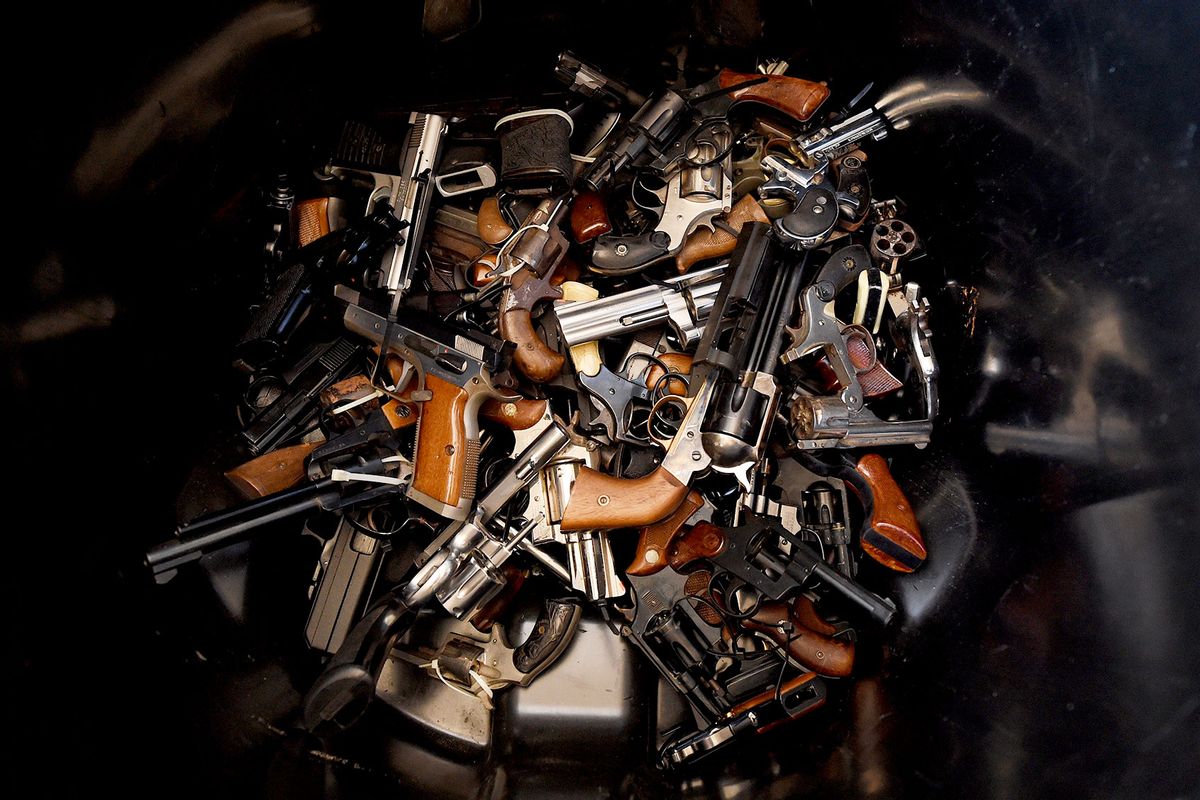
[(683, 304), (224, 528)]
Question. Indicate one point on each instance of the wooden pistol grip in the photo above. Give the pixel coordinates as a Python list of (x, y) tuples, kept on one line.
[(271, 472), (482, 270), (654, 540), (891, 535), (704, 540), (532, 357), (589, 217), (676, 362), (795, 97), (804, 613), (821, 654), (516, 415), (769, 695), (601, 502), (347, 389), (399, 414), (442, 454), (704, 243), (490, 223), (312, 220)]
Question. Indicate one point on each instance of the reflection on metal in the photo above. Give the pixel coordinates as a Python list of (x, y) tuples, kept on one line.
[(181, 103), (93, 312), (923, 95)]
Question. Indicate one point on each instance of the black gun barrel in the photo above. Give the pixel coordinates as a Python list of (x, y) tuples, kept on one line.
[(580, 76), (221, 529), (805, 562)]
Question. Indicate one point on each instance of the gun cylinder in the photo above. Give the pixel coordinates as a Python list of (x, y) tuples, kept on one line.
[(684, 307), (653, 124), (743, 410)]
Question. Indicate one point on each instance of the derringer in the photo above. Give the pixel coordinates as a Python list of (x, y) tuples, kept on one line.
[(843, 421), (403, 180), (454, 369), (460, 569)]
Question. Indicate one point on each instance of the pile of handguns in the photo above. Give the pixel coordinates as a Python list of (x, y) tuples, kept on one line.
[(501, 346)]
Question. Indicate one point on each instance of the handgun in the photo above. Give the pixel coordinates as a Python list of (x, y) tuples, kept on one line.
[(773, 560), (704, 243), (843, 420), (529, 262), (795, 698), (661, 133), (744, 406), (403, 182), (370, 481), (290, 413), (604, 501), (890, 533), (461, 569), (690, 198), (454, 369), (683, 303)]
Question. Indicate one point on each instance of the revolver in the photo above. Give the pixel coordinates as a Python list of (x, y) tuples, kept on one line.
[(691, 197), (460, 569), (663, 131)]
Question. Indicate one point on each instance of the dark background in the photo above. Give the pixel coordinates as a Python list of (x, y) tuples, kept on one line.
[(1049, 648)]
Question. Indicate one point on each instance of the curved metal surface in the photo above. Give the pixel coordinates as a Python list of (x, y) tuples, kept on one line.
[(1049, 643)]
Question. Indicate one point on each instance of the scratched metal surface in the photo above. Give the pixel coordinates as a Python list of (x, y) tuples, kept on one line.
[(1048, 648)]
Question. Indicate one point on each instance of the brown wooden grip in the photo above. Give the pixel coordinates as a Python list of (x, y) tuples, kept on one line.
[(516, 415), (589, 217), (891, 536), (492, 227), (770, 694), (601, 502), (806, 614), (312, 220), (704, 540), (821, 654), (532, 357), (795, 97), (399, 415), (347, 389), (654, 540), (440, 454), (271, 472), (704, 243)]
